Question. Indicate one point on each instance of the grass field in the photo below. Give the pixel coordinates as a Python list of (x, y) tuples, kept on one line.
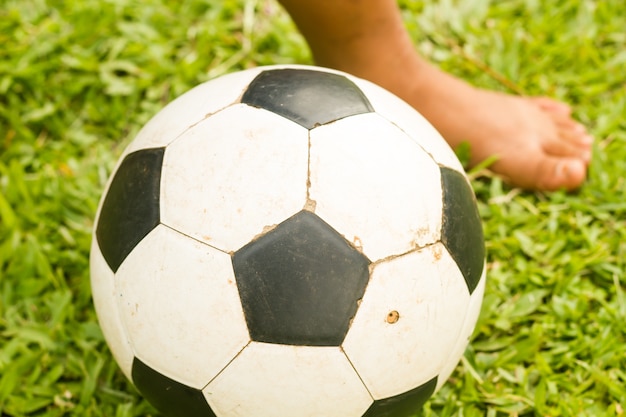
[(79, 78)]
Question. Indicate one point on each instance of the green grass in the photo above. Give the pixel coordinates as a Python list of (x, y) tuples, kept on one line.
[(79, 78)]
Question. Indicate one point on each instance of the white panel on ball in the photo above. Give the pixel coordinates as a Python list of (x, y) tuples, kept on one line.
[(233, 175), (268, 380), (471, 317), (406, 324), (180, 302), (190, 108), (104, 298), (375, 186), (413, 123)]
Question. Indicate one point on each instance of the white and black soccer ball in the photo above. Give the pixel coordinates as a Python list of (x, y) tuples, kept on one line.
[(288, 242)]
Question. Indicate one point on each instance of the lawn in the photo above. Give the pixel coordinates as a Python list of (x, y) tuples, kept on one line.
[(79, 78)]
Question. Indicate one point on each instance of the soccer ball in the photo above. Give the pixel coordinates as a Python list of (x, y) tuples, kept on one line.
[(288, 241)]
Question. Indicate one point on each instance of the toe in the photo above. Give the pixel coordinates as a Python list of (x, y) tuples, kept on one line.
[(575, 133), (560, 173), (568, 128), (542, 172), (553, 106), (570, 145)]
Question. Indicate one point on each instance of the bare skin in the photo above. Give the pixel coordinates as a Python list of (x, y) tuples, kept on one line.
[(538, 145)]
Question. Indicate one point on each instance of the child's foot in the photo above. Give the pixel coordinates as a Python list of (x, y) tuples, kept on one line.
[(537, 143)]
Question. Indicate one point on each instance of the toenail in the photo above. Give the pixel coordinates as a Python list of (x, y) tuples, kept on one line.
[(562, 170), (566, 169)]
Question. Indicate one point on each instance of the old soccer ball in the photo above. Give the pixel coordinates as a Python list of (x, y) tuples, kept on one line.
[(288, 241)]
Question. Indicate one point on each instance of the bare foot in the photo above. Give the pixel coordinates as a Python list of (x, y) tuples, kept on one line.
[(537, 143)]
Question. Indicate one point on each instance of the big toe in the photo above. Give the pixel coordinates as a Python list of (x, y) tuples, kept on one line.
[(559, 173)]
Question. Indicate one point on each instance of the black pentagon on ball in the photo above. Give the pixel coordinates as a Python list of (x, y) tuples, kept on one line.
[(462, 232), (307, 97), (407, 404), (170, 397), (130, 209), (300, 283)]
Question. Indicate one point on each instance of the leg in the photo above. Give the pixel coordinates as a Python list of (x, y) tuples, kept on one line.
[(538, 144)]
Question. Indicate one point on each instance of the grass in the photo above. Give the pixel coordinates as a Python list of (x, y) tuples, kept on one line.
[(78, 79)]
